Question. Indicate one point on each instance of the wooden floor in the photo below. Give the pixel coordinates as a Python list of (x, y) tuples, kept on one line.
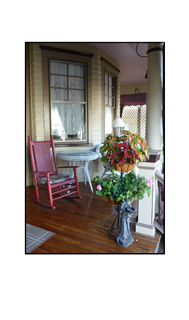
[(79, 226)]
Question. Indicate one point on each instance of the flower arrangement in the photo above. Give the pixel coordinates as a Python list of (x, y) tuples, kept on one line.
[(129, 148), (128, 186)]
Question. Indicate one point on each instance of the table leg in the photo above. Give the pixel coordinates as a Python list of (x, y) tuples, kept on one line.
[(87, 173), (84, 176), (72, 163)]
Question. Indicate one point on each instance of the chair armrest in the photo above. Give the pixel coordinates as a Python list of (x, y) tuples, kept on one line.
[(41, 172)]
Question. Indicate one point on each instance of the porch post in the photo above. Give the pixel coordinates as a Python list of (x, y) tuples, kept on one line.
[(146, 206), (154, 134)]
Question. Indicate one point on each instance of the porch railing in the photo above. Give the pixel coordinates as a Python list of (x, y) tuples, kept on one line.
[(159, 217)]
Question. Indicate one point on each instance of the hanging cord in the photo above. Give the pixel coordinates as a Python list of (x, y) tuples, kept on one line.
[(137, 51)]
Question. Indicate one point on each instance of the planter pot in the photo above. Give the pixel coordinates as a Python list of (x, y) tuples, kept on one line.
[(114, 201), (125, 168)]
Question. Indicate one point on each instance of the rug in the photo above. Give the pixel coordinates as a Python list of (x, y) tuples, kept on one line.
[(35, 237)]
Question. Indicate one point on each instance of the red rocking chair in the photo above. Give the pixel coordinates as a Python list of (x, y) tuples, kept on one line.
[(46, 175)]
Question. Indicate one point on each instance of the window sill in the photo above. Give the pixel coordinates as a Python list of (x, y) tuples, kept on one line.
[(58, 144)]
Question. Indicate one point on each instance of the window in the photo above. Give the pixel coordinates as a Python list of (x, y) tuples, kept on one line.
[(109, 102), (68, 101), (67, 86), (110, 84)]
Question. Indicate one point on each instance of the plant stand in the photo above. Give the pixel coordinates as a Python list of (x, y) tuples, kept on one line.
[(124, 237), (116, 223)]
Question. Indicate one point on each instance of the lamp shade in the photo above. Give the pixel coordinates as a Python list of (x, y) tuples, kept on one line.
[(118, 122)]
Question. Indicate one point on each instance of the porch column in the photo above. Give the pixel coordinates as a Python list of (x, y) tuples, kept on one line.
[(146, 206), (154, 96)]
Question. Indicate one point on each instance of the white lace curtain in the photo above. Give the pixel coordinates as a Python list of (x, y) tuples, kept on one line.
[(68, 119)]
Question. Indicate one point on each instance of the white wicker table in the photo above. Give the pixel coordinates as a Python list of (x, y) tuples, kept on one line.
[(80, 159)]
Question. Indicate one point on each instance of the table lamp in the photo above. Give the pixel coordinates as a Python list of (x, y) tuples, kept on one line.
[(117, 123)]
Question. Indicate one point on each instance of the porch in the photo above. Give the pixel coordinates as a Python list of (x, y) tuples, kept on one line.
[(79, 226)]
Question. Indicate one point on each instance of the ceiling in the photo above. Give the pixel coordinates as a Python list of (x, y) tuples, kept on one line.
[(133, 67)]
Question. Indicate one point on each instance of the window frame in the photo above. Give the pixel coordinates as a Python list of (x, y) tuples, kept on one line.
[(49, 54), (69, 101)]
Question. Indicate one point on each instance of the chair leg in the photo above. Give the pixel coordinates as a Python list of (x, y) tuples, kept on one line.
[(60, 189), (36, 191), (50, 192)]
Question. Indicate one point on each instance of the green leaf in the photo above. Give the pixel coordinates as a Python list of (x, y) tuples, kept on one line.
[(96, 178)]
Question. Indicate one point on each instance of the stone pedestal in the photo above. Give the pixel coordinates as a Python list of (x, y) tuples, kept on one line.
[(146, 207)]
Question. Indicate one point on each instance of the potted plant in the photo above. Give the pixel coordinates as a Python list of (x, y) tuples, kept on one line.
[(122, 190), (124, 152), (118, 188)]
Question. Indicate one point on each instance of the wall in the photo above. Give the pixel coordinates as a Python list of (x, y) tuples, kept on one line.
[(36, 103), (29, 179), (36, 92), (130, 88)]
